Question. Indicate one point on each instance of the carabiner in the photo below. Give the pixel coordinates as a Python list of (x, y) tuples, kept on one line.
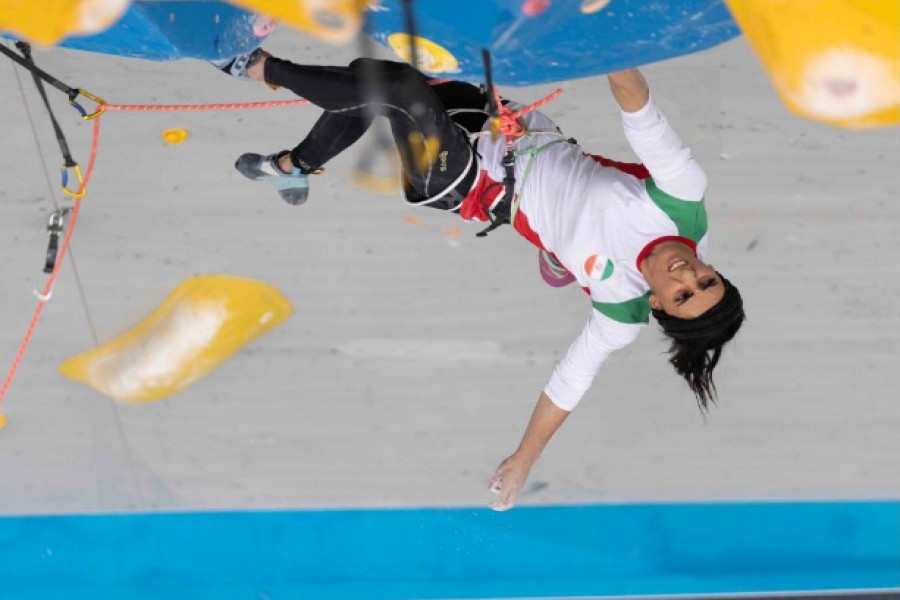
[(100, 109), (55, 226), (65, 181)]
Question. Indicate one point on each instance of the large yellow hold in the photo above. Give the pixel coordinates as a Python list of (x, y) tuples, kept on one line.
[(47, 22), (203, 322), (335, 21), (836, 61)]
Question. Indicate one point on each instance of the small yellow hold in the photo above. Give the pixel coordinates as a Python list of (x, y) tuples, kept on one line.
[(2, 421), (589, 7), (334, 21), (175, 136)]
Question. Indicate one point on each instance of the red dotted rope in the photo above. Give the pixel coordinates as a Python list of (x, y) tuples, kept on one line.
[(226, 106), (51, 280), (76, 208), (200, 107)]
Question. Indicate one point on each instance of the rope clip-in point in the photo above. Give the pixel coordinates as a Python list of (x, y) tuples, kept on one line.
[(98, 110)]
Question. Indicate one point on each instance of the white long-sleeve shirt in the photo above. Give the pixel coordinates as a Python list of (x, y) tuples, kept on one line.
[(597, 220)]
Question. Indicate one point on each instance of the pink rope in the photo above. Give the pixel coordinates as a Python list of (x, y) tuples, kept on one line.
[(225, 106), (200, 107), (509, 123), (51, 280)]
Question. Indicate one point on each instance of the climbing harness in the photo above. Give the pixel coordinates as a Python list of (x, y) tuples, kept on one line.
[(509, 123)]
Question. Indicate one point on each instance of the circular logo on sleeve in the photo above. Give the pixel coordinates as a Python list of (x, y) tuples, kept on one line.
[(598, 267)]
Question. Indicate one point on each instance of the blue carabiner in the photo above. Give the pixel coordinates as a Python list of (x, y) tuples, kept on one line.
[(79, 109), (65, 181)]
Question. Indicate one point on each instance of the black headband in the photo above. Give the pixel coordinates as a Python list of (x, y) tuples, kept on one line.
[(728, 311)]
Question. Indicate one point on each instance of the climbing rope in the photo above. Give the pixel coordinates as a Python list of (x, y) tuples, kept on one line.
[(200, 107), (44, 296), (509, 122)]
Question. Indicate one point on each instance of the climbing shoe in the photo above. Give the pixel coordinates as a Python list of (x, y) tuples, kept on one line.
[(293, 187), (237, 66)]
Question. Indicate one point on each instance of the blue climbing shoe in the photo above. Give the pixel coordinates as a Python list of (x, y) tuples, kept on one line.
[(293, 187), (237, 66)]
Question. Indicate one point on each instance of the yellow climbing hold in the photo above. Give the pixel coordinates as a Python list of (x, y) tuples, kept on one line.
[(2, 421), (175, 136), (836, 61), (336, 21), (49, 21), (432, 58), (200, 324), (589, 7)]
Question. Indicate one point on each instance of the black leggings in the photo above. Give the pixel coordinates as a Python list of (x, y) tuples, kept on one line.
[(417, 111)]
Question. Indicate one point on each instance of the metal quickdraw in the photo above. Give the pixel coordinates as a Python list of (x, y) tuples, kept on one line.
[(56, 224), (98, 110), (39, 77)]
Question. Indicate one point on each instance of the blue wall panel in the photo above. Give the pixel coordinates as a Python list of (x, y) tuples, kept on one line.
[(559, 43), (592, 550), (173, 30)]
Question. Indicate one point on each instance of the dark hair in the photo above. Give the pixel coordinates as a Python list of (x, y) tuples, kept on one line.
[(697, 343)]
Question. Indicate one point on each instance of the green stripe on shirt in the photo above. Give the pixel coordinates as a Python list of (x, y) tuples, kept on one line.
[(689, 215), (636, 310)]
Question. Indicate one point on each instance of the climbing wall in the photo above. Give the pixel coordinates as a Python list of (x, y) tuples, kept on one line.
[(539, 41)]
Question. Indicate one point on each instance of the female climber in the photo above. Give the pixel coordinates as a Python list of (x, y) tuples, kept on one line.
[(633, 236)]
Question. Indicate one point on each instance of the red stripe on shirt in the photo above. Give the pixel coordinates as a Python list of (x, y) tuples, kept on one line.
[(524, 228), (481, 197), (634, 169), (645, 252)]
